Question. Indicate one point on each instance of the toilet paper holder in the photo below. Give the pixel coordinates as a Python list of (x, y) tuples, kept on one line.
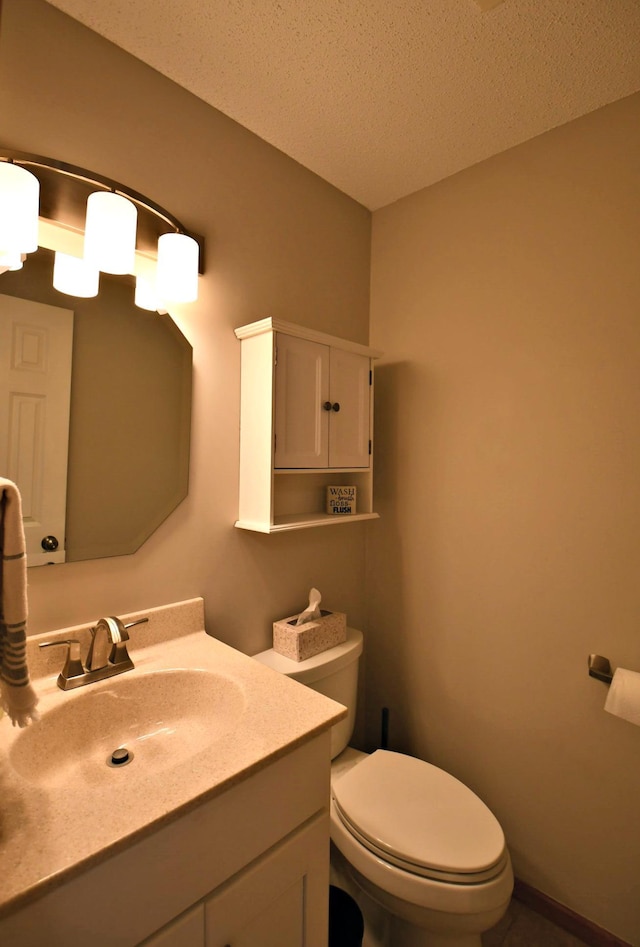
[(600, 668)]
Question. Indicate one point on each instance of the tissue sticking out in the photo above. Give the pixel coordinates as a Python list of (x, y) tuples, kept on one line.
[(312, 611)]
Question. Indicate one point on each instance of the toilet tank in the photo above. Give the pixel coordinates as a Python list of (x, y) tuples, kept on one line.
[(333, 673)]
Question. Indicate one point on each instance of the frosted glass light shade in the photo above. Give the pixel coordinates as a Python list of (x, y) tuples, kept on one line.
[(74, 276), (110, 232), (19, 203), (10, 261), (177, 279), (145, 295)]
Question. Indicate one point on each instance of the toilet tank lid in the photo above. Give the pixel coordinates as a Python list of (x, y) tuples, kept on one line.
[(320, 665)]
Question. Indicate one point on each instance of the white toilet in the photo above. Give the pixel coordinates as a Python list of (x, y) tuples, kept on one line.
[(422, 854)]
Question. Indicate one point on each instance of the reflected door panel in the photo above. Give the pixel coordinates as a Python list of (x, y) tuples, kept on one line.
[(35, 389)]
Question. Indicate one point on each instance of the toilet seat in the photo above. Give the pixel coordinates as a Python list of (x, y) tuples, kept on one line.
[(422, 820)]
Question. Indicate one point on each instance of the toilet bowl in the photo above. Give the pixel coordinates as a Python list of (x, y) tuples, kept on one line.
[(422, 845), (408, 838)]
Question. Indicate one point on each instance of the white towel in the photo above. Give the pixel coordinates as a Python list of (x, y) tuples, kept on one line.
[(17, 696)]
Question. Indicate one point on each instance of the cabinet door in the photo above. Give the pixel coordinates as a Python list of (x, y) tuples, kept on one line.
[(301, 389), (281, 901), (310, 377), (185, 931), (349, 427)]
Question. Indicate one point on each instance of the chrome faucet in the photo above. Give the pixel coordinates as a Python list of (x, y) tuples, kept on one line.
[(106, 633), (107, 655)]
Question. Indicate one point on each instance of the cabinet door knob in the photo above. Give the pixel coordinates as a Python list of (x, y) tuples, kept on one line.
[(335, 406), (327, 406), (49, 543)]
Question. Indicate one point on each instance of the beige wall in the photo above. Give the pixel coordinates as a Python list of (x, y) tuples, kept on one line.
[(507, 300), (280, 242)]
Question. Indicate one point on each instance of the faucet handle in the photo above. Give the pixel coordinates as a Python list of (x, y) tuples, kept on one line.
[(138, 621), (119, 654), (73, 663), (116, 629)]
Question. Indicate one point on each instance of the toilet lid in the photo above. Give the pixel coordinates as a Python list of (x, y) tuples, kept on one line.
[(420, 818)]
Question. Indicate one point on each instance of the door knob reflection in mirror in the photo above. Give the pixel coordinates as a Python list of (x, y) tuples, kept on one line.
[(49, 543)]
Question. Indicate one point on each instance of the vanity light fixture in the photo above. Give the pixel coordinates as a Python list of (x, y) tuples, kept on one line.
[(177, 274), (145, 295), (110, 232), (19, 197), (106, 227), (75, 276), (11, 261)]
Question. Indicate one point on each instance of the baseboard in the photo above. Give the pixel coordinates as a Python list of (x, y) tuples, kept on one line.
[(565, 918)]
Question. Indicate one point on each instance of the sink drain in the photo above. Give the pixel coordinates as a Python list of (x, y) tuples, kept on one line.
[(119, 757)]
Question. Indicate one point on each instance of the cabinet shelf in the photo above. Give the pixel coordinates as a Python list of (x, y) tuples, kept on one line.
[(306, 421), (284, 524), (316, 470)]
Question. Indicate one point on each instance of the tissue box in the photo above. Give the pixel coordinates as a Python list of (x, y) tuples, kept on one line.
[(341, 500), (300, 642)]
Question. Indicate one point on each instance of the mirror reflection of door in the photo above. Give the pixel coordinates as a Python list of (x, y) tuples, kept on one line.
[(35, 388)]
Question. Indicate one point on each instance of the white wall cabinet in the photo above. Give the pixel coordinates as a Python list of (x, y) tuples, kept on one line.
[(306, 421), (322, 405)]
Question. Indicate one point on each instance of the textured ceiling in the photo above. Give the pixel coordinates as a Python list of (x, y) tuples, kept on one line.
[(384, 97)]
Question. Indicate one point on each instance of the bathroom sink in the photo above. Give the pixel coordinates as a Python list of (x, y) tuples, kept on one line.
[(162, 717)]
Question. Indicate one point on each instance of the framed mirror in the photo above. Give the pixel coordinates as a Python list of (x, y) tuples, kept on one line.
[(129, 418)]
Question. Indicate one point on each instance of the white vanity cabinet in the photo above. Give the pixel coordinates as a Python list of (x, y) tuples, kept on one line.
[(306, 416), (248, 868), (185, 931), (271, 903), (276, 902)]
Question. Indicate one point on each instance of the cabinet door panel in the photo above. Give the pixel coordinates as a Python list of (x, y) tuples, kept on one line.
[(186, 931), (279, 924), (301, 388), (349, 427), (35, 384), (281, 901)]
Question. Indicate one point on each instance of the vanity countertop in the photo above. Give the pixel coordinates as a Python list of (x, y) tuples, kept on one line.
[(54, 825)]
